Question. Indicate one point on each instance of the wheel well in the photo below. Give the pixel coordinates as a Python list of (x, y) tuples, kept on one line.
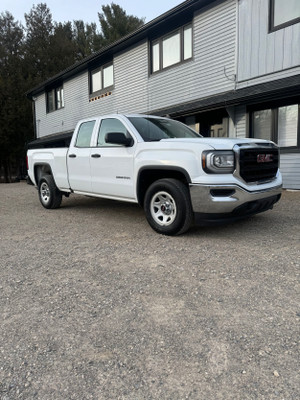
[(40, 170), (148, 176)]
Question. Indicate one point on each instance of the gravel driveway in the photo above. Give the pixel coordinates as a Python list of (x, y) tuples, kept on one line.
[(96, 305)]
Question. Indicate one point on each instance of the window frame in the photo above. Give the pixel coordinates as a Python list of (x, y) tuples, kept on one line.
[(56, 102), (103, 89), (274, 107), (274, 28), (160, 41)]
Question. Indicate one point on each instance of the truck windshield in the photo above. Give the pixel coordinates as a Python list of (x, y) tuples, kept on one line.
[(155, 129)]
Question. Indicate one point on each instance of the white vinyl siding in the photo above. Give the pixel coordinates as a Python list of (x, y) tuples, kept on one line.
[(131, 80), (240, 121), (214, 32), (263, 54), (77, 106), (290, 169), (135, 91)]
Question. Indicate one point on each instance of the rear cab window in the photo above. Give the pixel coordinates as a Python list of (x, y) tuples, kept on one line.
[(84, 134)]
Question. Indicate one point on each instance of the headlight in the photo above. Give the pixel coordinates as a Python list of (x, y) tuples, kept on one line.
[(218, 162)]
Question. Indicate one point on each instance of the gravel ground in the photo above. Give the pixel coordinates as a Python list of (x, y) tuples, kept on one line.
[(96, 305)]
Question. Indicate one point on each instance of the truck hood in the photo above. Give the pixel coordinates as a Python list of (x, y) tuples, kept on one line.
[(217, 143)]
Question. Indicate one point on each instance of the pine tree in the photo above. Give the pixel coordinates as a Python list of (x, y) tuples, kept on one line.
[(32, 54), (15, 120), (115, 23)]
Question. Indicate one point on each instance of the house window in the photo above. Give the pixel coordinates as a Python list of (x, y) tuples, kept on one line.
[(172, 49), (279, 124), (55, 99), (288, 121), (262, 124), (284, 13), (102, 78)]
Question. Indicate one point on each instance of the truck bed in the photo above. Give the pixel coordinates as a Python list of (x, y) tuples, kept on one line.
[(53, 141)]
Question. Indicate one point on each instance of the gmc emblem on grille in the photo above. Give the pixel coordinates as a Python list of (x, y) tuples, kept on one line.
[(264, 158)]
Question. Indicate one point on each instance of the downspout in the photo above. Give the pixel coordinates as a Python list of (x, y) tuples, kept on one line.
[(236, 44), (231, 110), (34, 117)]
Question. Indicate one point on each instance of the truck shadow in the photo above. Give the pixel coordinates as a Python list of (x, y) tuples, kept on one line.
[(127, 212)]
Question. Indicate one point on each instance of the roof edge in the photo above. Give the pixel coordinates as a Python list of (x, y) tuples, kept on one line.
[(120, 44)]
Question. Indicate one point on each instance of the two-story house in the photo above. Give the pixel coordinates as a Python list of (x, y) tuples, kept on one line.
[(225, 67)]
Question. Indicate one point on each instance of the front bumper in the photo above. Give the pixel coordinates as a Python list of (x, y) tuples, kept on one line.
[(216, 203)]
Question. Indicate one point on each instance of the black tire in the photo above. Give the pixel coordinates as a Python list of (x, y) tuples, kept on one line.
[(168, 207), (49, 195)]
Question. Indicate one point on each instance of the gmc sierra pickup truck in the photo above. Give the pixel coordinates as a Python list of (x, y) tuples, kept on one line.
[(178, 176)]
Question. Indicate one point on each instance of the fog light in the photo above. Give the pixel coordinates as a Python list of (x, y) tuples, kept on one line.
[(222, 192)]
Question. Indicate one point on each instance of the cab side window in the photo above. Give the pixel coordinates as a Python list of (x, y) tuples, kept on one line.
[(85, 134), (110, 125)]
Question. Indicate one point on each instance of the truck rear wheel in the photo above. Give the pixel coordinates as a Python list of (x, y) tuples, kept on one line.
[(50, 196), (168, 207)]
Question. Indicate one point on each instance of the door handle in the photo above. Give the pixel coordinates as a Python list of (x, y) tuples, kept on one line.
[(96, 155), (72, 155)]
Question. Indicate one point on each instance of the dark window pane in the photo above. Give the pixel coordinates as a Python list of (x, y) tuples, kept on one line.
[(51, 101), (288, 125), (220, 130), (262, 124)]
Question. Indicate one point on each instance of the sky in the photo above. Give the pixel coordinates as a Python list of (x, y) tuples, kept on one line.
[(87, 10)]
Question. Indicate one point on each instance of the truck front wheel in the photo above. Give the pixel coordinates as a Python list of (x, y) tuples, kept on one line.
[(168, 207), (50, 196)]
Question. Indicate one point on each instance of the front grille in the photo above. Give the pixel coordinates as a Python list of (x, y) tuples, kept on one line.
[(258, 164)]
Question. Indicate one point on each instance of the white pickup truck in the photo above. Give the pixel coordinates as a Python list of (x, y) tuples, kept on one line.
[(177, 175)]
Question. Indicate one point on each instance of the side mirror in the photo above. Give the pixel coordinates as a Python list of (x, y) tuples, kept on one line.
[(118, 138)]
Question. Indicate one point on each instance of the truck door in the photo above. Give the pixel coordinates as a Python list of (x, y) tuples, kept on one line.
[(112, 164), (78, 159)]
